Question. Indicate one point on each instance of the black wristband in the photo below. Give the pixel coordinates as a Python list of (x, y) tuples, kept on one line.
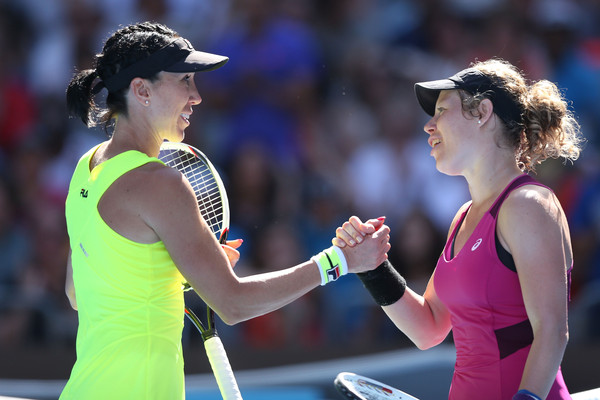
[(384, 283)]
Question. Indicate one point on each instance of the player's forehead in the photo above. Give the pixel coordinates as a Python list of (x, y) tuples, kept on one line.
[(447, 99), (447, 95)]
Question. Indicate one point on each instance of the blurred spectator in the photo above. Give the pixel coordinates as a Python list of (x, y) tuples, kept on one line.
[(416, 247), (585, 225), (294, 325), (268, 87), (585, 232), (562, 25), (15, 247), (18, 106)]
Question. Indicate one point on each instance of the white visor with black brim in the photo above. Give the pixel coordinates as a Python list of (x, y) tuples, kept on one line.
[(176, 56), (474, 82)]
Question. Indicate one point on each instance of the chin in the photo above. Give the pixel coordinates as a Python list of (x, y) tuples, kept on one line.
[(440, 166), (176, 137), (446, 169)]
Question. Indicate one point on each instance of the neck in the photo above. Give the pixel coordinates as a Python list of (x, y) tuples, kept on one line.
[(487, 181), (130, 136)]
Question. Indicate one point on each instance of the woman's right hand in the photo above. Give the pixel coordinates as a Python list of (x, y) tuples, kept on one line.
[(372, 250), (353, 231)]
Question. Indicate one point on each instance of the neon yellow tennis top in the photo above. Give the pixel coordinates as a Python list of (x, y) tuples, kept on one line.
[(129, 298)]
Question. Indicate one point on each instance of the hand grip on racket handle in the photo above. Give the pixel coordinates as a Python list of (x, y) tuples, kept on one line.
[(218, 358), (224, 234), (222, 369)]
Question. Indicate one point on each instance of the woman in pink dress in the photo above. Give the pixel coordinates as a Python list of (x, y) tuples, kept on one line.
[(502, 281)]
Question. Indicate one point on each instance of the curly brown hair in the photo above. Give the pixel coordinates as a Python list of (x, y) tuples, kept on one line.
[(547, 129)]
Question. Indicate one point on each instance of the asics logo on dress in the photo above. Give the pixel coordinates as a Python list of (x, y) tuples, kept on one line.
[(83, 193), (476, 245)]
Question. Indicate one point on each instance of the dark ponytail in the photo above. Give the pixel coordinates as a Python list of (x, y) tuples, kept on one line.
[(80, 101), (123, 48)]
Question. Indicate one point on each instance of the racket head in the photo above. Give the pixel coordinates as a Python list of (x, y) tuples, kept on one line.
[(205, 181), (213, 204), (358, 387)]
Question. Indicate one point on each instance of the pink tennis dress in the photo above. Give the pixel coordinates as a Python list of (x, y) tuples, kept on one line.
[(491, 330)]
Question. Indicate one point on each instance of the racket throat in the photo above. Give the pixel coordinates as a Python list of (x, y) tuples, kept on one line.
[(208, 334)]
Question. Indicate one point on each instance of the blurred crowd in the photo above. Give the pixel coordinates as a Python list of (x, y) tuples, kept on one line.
[(312, 120)]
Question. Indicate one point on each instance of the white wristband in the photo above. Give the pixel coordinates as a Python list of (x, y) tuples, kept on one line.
[(331, 263)]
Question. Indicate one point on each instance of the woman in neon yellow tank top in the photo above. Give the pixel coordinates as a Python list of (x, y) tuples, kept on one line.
[(136, 233)]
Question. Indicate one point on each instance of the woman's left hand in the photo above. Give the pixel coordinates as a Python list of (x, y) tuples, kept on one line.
[(230, 248)]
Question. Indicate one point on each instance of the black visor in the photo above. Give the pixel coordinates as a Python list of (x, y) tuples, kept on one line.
[(474, 82), (177, 56)]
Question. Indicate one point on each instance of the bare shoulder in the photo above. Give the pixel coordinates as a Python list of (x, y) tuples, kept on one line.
[(531, 201), (154, 177), (157, 186), (530, 212), (533, 227), (147, 197)]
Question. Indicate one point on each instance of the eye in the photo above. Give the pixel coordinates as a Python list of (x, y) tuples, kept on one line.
[(187, 78), (439, 110)]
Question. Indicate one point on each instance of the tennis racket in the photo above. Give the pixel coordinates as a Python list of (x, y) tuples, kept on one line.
[(357, 387), (214, 207)]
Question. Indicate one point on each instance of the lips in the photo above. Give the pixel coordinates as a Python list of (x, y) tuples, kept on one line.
[(434, 142)]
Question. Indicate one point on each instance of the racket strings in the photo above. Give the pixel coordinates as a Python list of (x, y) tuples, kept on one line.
[(204, 184)]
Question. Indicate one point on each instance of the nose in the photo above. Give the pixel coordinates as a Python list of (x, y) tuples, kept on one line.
[(430, 126), (195, 97)]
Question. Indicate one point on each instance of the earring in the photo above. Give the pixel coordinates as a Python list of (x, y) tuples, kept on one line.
[(478, 121), (147, 102)]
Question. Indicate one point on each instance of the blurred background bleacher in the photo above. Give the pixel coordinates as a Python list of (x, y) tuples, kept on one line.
[(313, 119)]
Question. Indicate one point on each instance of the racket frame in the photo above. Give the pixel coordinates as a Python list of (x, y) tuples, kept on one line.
[(214, 347), (357, 387)]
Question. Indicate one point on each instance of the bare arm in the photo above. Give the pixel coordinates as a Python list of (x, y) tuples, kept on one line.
[(424, 319), (169, 207), (533, 227), (69, 285)]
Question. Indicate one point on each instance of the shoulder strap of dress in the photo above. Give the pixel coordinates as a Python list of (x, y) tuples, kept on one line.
[(517, 182), (109, 171)]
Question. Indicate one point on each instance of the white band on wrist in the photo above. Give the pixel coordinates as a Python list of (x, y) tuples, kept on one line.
[(331, 263)]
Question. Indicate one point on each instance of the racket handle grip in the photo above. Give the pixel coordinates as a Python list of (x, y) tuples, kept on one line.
[(222, 369)]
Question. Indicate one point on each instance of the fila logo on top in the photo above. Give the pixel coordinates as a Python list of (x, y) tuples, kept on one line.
[(476, 245)]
